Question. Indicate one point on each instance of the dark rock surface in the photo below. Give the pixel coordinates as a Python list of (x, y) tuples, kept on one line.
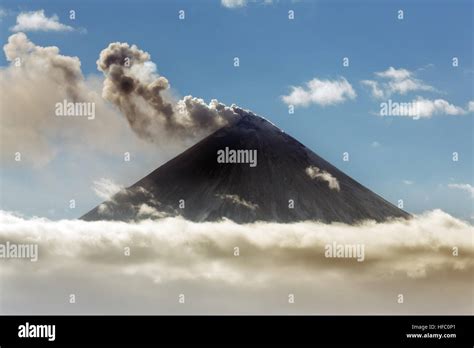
[(242, 193)]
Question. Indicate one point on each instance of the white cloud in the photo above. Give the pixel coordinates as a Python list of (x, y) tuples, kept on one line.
[(38, 21), (315, 173), (146, 211), (395, 81), (3, 13), (234, 3), (173, 256), (239, 201), (375, 144), (427, 108), (465, 187), (376, 91), (241, 3), (321, 92), (408, 182), (470, 106), (106, 188), (395, 74), (421, 108)]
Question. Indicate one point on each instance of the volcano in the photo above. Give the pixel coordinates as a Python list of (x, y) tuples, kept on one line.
[(249, 170)]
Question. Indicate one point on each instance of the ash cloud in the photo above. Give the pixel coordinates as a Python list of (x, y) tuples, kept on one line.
[(173, 256), (36, 79), (133, 84)]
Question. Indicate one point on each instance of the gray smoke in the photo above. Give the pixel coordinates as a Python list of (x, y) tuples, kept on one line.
[(64, 70), (36, 79), (133, 84)]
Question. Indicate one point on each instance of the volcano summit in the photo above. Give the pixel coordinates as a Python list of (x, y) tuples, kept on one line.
[(290, 183)]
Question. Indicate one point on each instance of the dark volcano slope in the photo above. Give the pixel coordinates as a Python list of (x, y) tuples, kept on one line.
[(242, 193)]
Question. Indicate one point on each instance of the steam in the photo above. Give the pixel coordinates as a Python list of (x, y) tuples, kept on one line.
[(133, 84)]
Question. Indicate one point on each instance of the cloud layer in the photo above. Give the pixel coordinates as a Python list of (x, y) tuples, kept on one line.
[(200, 260)]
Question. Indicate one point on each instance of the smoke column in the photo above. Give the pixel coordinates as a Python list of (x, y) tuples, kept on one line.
[(133, 84)]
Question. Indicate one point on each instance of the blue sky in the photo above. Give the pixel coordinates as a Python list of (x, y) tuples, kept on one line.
[(396, 157)]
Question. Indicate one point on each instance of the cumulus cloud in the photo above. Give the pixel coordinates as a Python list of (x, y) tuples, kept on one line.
[(408, 182), (173, 256), (428, 108), (465, 187), (420, 108), (402, 81), (395, 81), (321, 92), (133, 84), (38, 21), (316, 173)]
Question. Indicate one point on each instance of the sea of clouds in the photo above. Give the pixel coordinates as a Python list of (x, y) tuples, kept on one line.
[(172, 257)]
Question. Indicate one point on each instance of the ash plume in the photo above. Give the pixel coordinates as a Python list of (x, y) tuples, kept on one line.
[(36, 79), (64, 70), (133, 84)]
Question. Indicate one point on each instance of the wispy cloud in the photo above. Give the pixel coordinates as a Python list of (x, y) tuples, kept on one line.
[(395, 81), (470, 106), (241, 3), (321, 92), (3, 13), (235, 199), (38, 21), (465, 187)]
